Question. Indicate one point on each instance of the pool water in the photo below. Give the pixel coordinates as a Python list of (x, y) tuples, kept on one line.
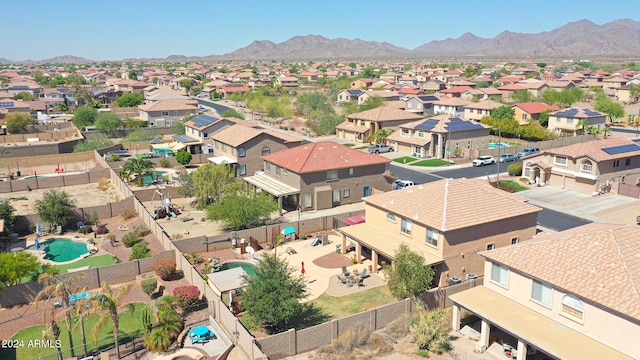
[(33, 177), (61, 249), (249, 268)]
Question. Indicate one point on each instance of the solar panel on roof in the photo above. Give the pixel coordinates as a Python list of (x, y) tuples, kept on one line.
[(6, 104), (427, 125), (184, 139), (591, 112), (204, 120), (621, 149)]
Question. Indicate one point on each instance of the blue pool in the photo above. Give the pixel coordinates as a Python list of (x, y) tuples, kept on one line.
[(248, 267), (62, 249)]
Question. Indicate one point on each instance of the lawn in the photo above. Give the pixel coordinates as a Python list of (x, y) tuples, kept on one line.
[(512, 184), (431, 162), (350, 144), (339, 307), (404, 159), (128, 324), (92, 261), (362, 147)]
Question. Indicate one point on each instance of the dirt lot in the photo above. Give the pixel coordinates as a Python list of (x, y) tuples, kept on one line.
[(85, 195)]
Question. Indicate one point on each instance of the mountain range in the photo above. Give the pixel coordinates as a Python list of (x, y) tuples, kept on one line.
[(580, 39)]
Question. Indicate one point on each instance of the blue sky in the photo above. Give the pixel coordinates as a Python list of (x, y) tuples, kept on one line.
[(117, 29)]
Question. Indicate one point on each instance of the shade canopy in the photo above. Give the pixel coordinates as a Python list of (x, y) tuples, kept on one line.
[(355, 219)]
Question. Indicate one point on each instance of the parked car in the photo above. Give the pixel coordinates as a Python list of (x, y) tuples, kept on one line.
[(527, 151), (401, 184), (483, 160), (507, 158), (380, 148)]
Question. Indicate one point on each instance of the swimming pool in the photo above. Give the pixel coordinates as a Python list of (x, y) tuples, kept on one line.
[(248, 267), (62, 249), (33, 177)]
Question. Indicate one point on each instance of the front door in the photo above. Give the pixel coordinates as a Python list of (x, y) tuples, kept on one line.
[(366, 191)]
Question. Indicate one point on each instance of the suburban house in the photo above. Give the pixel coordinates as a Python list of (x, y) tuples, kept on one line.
[(241, 147), (228, 89), (203, 126), (322, 175), (387, 96), (481, 93), (440, 136), (287, 81), (510, 89), (624, 93), (361, 83), (477, 110), (360, 125), (526, 112), (421, 104), (589, 167), (450, 106), (166, 112), (565, 122), (447, 221), (566, 295), (348, 95)]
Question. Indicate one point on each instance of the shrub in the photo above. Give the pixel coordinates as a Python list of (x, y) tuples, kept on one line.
[(85, 230), (186, 295), (165, 268), (143, 230), (114, 158), (149, 285), (129, 213), (139, 251), (164, 163), (131, 238), (515, 169), (101, 229)]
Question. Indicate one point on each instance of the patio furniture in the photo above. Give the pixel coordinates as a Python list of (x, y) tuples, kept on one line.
[(360, 282), (363, 274), (345, 272), (201, 334), (342, 280)]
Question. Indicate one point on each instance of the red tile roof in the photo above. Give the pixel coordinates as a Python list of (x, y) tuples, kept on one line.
[(322, 156), (536, 107), (456, 89)]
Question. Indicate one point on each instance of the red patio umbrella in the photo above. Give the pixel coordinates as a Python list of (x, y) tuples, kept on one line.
[(302, 268)]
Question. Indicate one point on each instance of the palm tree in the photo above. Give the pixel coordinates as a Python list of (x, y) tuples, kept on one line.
[(157, 341), (51, 329), (84, 308), (382, 135), (138, 167), (582, 124), (108, 302), (60, 289), (168, 325)]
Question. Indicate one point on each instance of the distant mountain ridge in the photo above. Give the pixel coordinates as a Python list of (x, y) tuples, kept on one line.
[(574, 40)]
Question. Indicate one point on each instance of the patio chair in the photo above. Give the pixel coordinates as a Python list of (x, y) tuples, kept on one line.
[(345, 272), (363, 274), (360, 282), (342, 280)]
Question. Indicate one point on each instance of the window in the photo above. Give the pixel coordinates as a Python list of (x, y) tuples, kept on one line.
[(361, 122), (468, 144), (265, 150), (346, 193), (224, 147), (569, 120), (267, 166), (499, 274), (175, 113), (405, 226), (560, 160), (243, 170), (586, 167), (216, 143), (277, 170), (242, 152), (627, 161), (332, 175), (406, 132), (541, 292), (491, 246), (234, 151), (616, 163), (285, 172), (306, 201), (515, 240), (421, 134), (205, 135), (432, 237), (524, 116), (350, 171), (572, 307), (391, 217), (336, 196), (165, 113), (457, 145)]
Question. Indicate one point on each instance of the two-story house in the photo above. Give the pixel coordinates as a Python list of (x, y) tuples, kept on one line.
[(287, 81), (439, 136), (589, 167), (567, 295), (565, 122), (450, 106), (348, 95), (447, 221), (526, 112), (322, 175), (421, 104), (203, 126), (166, 112), (361, 83), (360, 125), (477, 110), (242, 146)]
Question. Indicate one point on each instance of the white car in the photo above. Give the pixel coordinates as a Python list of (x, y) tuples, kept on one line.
[(483, 160), (401, 184)]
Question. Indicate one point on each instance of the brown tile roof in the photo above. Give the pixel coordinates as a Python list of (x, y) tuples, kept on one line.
[(593, 149), (484, 105), (170, 105), (599, 262), (453, 203), (237, 134), (536, 107), (452, 102), (384, 113), (346, 125), (322, 156)]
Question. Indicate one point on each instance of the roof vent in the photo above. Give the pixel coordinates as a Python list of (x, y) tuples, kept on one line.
[(416, 216), (391, 202)]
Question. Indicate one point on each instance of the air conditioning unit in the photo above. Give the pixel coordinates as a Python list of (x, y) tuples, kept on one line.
[(638, 181)]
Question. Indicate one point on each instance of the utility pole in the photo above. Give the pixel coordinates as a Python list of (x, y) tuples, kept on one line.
[(498, 159)]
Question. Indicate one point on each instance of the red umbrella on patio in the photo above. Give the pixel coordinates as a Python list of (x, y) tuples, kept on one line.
[(302, 268)]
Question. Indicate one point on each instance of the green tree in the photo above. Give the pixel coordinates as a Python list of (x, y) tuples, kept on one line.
[(84, 116), (18, 122), (233, 113), (186, 84), (242, 209), (371, 103), (183, 157), (503, 112), (55, 207), (326, 124), (138, 167), (368, 73), (132, 123), (186, 185), (166, 323), (55, 288), (60, 107), (210, 181), (410, 275), (544, 118), (522, 96), (15, 266), (130, 100), (24, 95), (613, 109), (312, 101), (7, 214), (93, 142), (272, 297), (108, 122), (139, 251), (133, 75), (109, 303), (38, 76)]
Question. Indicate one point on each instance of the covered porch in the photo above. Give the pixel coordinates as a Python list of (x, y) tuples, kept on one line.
[(274, 187), (532, 330)]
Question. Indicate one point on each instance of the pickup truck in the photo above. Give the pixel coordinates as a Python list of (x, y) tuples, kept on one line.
[(380, 148)]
